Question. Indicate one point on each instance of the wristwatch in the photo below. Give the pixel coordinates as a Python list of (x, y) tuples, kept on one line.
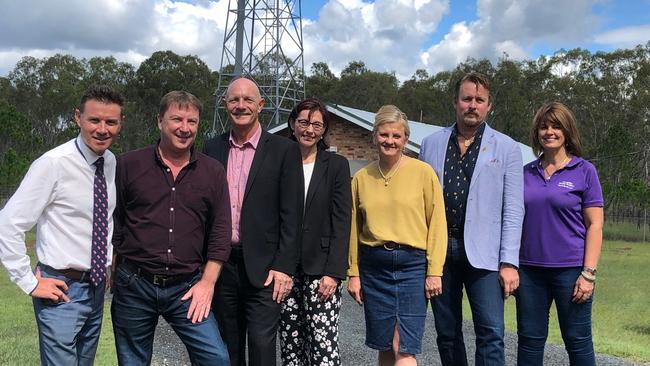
[(590, 270)]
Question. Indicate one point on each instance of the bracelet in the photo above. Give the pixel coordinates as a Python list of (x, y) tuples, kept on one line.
[(591, 270), (588, 276)]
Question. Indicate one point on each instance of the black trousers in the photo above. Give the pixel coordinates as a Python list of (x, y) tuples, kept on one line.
[(245, 312)]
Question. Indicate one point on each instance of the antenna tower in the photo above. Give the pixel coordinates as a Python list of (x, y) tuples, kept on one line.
[(263, 42)]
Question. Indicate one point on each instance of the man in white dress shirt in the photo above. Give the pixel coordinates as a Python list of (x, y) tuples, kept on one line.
[(69, 194)]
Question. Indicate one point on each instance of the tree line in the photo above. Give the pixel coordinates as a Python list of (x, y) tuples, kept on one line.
[(608, 91)]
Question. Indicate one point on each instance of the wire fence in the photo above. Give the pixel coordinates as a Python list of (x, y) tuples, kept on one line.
[(630, 224)]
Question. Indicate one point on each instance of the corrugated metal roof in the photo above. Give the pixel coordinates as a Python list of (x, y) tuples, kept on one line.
[(419, 130)]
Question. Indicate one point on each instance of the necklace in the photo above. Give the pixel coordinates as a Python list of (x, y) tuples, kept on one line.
[(467, 141), (387, 177), (548, 175)]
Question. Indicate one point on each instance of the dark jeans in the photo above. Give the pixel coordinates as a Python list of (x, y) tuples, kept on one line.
[(68, 333), (539, 287), (246, 312), (136, 306), (485, 297)]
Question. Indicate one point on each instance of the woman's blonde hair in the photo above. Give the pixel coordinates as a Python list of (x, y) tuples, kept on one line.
[(390, 114)]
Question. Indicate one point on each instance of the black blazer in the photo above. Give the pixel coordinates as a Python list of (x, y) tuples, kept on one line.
[(271, 211), (326, 222)]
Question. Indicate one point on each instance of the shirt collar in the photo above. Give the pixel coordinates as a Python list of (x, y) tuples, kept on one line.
[(193, 154), (479, 130), (88, 155), (537, 164), (253, 141)]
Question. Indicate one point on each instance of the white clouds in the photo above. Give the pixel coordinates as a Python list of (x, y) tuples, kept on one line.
[(189, 28), (387, 34), (625, 37), (74, 24), (512, 27), (130, 30)]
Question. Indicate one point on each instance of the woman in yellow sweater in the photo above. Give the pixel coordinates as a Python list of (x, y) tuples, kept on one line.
[(398, 242)]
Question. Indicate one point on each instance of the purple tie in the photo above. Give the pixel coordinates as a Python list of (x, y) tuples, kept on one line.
[(100, 225)]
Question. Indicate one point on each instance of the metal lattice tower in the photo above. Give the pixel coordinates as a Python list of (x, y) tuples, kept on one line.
[(263, 41)]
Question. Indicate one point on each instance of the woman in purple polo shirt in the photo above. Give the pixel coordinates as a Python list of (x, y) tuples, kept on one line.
[(561, 240)]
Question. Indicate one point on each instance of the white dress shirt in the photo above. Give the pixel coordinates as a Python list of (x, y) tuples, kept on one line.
[(56, 195)]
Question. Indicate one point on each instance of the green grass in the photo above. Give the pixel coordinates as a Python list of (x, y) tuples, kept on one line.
[(621, 315), (626, 231), (19, 345)]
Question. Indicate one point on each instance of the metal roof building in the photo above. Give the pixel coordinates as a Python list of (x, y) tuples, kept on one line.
[(419, 130)]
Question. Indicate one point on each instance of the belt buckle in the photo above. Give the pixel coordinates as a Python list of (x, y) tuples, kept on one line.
[(159, 280), (390, 245)]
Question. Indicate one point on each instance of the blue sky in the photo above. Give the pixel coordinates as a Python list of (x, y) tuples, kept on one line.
[(397, 36)]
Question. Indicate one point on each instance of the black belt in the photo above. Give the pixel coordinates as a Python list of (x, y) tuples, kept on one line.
[(391, 245), (156, 279), (236, 255), (455, 232)]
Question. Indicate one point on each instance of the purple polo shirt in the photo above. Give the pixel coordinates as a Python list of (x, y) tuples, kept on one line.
[(554, 228)]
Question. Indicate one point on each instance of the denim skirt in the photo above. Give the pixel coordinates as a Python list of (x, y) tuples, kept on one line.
[(392, 284)]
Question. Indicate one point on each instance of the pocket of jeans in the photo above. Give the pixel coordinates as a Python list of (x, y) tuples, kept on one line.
[(48, 302), (51, 303), (123, 277), (192, 281)]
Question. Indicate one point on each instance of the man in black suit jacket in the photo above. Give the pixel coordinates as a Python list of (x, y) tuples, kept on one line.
[(265, 183)]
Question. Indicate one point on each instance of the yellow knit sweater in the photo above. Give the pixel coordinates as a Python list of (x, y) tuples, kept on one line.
[(409, 210)]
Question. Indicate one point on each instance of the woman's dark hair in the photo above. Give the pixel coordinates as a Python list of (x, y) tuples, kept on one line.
[(557, 114), (313, 105)]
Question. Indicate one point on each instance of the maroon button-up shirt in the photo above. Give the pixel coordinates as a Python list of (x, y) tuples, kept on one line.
[(168, 226)]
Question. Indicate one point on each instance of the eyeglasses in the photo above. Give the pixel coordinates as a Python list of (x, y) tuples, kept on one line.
[(318, 126)]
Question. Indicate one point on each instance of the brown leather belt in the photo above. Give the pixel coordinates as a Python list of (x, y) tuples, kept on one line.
[(69, 273), (74, 274)]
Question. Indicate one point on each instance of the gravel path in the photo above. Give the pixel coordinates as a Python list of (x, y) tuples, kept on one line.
[(168, 350)]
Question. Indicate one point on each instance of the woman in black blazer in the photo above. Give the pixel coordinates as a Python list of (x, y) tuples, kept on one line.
[(310, 314)]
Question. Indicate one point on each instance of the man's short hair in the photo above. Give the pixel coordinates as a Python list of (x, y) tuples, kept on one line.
[(181, 98), (477, 79), (101, 93)]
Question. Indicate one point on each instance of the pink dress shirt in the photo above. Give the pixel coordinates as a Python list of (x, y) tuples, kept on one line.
[(240, 159)]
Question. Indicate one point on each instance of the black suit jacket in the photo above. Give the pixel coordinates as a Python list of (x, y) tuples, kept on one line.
[(326, 221), (272, 206)]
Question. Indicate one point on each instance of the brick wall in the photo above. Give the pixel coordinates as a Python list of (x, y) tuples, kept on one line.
[(351, 141)]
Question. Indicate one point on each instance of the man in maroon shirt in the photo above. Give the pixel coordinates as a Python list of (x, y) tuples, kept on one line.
[(172, 235)]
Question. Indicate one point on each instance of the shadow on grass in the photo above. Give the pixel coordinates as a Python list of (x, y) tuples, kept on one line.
[(640, 329)]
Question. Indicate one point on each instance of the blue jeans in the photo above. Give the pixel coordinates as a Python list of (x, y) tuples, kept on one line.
[(486, 302), (68, 333), (136, 306), (538, 288)]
